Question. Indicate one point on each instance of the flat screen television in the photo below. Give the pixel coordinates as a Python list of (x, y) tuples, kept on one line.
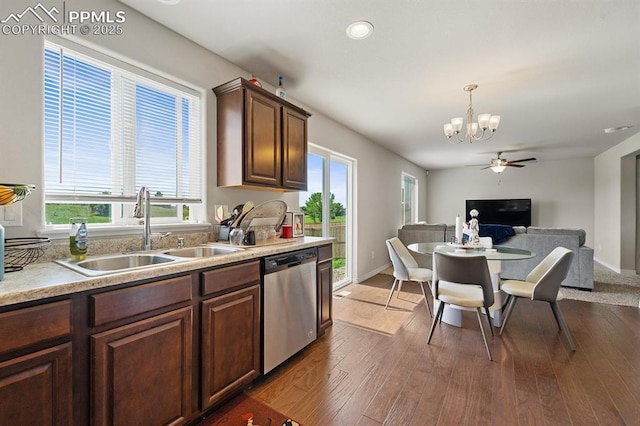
[(514, 212)]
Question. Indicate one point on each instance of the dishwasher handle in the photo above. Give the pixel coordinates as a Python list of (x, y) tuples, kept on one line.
[(288, 260)]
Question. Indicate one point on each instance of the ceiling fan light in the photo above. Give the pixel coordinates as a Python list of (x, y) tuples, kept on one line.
[(498, 169), (457, 124), (483, 121), (448, 130), (494, 122)]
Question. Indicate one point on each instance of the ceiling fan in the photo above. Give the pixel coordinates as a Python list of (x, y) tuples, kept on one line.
[(498, 165)]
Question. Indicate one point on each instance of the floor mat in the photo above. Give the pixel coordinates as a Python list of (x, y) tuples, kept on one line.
[(612, 294), (237, 412)]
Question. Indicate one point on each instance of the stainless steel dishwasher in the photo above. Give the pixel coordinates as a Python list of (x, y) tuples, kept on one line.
[(290, 305)]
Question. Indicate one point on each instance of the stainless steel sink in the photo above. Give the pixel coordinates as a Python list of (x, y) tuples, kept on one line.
[(118, 263), (104, 265), (202, 251)]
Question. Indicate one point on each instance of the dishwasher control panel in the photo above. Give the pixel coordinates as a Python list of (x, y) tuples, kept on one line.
[(286, 260)]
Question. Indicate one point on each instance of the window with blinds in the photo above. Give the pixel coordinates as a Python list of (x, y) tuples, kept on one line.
[(110, 128)]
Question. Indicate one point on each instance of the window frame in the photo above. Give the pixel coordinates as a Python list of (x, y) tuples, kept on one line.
[(414, 199), (173, 85)]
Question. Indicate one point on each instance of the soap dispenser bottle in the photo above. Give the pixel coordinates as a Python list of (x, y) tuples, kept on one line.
[(78, 237)]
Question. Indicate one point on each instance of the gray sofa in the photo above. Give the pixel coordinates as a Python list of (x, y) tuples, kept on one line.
[(537, 240), (419, 233)]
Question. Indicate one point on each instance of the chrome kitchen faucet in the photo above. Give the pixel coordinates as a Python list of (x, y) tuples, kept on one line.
[(141, 211)]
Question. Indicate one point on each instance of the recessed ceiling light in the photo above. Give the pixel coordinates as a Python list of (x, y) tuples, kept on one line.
[(169, 2), (359, 30), (616, 129)]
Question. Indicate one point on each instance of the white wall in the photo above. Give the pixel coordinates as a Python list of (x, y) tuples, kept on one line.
[(612, 215), (378, 174), (561, 192), (146, 42)]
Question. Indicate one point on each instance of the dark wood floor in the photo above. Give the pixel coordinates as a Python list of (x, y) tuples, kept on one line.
[(352, 376)]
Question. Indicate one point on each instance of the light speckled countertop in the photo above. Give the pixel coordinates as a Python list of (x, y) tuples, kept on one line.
[(43, 280)]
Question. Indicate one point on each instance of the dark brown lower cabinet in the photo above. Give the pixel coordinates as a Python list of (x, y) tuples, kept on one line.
[(136, 348), (230, 343), (36, 389), (142, 372), (325, 288)]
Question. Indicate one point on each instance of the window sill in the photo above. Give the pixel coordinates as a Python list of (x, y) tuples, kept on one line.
[(61, 233)]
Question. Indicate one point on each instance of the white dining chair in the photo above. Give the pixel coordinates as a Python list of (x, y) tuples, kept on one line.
[(405, 268), (542, 283), (463, 281)]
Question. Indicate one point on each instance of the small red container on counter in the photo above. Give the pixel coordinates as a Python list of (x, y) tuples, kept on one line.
[(287, 231)]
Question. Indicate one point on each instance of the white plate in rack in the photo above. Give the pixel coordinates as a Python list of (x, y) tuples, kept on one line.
[(269, 213)]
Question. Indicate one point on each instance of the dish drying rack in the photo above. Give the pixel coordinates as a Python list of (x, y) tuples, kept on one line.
[(19, 252)]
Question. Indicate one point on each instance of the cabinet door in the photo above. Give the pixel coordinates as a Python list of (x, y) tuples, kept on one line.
[(325, 296), (262, 140), (36, 389), (294, 150), (142, 372), (230, 343)]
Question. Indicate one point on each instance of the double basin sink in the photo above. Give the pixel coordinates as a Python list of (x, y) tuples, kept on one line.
[(103, 265)]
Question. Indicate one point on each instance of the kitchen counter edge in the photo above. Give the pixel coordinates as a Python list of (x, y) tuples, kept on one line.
[(45, 280)]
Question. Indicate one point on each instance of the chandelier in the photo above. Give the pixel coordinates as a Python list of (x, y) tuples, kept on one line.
[(472, 133)]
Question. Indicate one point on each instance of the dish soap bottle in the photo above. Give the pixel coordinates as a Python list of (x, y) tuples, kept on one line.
[(78, 237), (280, 91)]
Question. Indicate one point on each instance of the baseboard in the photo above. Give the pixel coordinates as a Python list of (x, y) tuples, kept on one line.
[(606, 265), (616, 269), (370, 274)]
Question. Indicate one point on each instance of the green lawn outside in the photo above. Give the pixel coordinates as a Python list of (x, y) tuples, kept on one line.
[(337, 219), (59, 214)]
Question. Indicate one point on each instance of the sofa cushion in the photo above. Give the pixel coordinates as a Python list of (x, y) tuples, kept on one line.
[(520, 229), (582, 235)]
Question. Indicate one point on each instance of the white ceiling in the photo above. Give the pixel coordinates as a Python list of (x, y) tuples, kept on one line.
[(557, 71)]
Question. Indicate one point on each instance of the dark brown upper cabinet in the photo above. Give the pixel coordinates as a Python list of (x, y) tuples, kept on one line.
[(262, 138)]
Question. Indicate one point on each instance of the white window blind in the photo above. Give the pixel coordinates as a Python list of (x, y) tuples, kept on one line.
[(111, 128)]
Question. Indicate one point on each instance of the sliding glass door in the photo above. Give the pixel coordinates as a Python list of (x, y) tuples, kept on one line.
[(327, 205)]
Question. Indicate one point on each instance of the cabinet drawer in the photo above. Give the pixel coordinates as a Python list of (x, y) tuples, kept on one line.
[(227, 278), (24, 327), (325, 252), (119, 304)]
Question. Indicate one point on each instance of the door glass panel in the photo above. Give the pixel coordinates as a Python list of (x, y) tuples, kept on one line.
[(339, 183), (326, 205)]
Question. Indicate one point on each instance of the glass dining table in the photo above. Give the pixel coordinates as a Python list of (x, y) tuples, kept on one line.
[(495, 256)]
